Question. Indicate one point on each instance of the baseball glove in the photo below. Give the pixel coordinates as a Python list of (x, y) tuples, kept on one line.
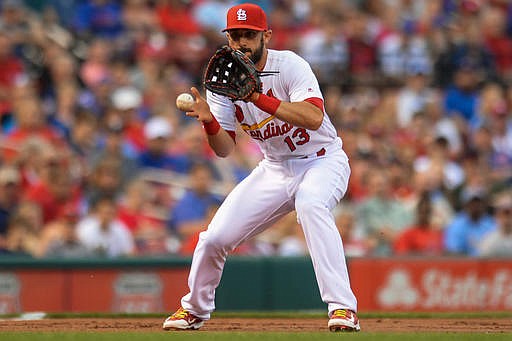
[(232, 74)]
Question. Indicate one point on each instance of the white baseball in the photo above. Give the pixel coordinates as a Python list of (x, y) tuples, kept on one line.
[(185, 101)]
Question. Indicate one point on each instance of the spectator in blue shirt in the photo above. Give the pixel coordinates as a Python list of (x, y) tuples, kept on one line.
[(464, 232), (189, 214), (157, 132), (101, 18), (461, 99)]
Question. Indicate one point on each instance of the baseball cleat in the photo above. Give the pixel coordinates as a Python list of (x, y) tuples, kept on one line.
[(343, 320), (182, 320)]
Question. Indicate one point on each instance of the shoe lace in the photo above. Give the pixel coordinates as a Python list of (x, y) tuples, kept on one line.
[(180, 313), (340, 313)]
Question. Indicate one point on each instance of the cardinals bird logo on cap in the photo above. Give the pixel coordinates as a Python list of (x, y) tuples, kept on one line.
[(241, 15), (245, 16)]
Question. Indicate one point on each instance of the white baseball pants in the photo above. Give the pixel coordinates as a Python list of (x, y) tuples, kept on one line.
[(312, 186)]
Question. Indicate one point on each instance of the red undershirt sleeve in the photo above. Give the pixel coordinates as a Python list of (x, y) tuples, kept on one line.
[(317, 102)]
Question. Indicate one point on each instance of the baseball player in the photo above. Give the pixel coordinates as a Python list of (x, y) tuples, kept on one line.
[(304, 169)]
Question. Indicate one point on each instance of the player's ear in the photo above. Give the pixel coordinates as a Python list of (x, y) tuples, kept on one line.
[(267, 35)]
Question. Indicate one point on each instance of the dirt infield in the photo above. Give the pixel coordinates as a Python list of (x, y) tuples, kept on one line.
[(495, 325)]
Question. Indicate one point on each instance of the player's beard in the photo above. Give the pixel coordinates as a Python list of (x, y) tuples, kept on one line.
[(256, 55)]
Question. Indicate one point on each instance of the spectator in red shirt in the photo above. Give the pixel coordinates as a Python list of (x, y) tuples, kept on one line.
[(182, 32), (146, 224), (494, 25), (55, 192), (175, 17), (11, 69), (361, 48), (30, 123), (134, 205), (421, 238)]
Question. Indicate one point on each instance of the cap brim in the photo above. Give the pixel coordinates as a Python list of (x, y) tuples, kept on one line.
[(243, 26)]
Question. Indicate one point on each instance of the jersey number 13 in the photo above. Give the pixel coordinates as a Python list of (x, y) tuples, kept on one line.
[(299, 137)]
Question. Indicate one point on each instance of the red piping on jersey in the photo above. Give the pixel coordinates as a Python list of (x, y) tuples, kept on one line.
[(232, 134), (239, 113)]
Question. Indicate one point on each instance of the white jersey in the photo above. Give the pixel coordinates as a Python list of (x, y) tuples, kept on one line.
[(278, 140)]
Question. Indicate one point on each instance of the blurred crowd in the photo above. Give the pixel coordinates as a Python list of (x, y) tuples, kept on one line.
[(95, 159)]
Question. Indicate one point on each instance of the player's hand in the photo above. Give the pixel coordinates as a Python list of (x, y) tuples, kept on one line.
[(254, 97), (200, 109)]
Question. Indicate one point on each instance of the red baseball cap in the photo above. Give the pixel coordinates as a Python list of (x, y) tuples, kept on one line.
[(248, 16)]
